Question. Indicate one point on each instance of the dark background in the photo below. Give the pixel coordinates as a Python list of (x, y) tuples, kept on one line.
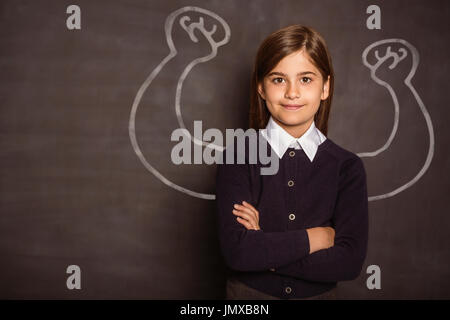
[(73, 191)]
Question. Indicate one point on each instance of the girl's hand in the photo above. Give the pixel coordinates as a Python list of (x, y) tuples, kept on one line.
[(320, 238), (247, 215)]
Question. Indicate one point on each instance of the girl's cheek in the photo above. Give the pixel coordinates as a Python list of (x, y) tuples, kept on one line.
[(275, 92)]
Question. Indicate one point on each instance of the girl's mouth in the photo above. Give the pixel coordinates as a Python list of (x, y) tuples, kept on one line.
[(292, 106)]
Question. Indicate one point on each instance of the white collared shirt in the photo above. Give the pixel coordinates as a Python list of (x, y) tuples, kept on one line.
[(280, 140)]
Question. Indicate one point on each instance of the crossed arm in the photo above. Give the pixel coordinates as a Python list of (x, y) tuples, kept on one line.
[(316, 254)]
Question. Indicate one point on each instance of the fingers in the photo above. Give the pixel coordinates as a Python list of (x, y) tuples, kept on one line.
[(246, 224), (332, 232), (248, 205), (247, 217), (247, 210), (248, 214)]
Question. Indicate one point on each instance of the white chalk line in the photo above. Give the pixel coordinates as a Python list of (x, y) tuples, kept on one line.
[(173, 52), (373, 68)]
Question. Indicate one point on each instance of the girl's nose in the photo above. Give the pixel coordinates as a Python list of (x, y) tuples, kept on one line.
[(292, 92)]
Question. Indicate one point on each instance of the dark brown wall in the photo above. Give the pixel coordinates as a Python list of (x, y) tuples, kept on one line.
[(73, 190)]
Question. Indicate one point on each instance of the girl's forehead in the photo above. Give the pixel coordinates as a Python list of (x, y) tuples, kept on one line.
[(295, 62)]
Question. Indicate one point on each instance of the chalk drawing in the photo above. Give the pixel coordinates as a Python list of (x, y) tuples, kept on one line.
[(189, 27), (402, 53)]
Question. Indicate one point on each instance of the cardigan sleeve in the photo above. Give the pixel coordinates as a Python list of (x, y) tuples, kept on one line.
[(345, 259), (250, 250)]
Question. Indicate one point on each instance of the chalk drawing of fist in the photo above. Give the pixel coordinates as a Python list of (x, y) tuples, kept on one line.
[(206, 32), (390, 56), (392, 64), (193, 35)]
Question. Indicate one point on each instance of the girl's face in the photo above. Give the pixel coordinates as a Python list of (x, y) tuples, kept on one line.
[(293, 91)]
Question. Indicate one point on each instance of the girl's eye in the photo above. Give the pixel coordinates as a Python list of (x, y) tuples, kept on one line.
[(308, 80), (305, 80), (277, 80)]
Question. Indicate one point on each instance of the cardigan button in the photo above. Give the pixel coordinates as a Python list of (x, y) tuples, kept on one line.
[(292, 153), (290, 183), (292, 216), (288, 290)]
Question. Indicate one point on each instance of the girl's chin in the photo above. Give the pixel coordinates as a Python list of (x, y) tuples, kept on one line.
[(291, 123), (291, 120)]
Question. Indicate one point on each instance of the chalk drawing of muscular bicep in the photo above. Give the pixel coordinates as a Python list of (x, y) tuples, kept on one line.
[(190, 25), (391, 59)]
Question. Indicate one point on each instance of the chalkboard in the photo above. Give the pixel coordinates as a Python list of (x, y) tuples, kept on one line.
[(88, 108)]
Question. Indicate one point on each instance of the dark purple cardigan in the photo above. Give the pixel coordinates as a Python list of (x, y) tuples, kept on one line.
[(330, 191)]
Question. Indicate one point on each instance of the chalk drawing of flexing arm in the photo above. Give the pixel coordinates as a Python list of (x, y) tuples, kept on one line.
[(182, 16), (392, 59)]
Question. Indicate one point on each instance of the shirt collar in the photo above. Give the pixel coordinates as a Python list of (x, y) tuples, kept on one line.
[(280, 140)]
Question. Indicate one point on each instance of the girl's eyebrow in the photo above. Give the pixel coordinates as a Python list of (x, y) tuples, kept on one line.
[(284, 75)]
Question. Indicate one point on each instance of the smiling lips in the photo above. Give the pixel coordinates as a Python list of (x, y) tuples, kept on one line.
[(292, 106)]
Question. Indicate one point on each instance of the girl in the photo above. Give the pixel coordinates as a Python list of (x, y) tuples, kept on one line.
[(294, 234)]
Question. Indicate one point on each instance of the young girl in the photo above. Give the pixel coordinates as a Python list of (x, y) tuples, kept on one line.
[(294, 234)]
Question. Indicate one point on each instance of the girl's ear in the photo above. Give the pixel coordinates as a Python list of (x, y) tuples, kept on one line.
[(261, 91), (326, 89)]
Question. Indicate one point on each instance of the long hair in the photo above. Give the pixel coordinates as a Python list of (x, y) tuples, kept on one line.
[(274, 48)]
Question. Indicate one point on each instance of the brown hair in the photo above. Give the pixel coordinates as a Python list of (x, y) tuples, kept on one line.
[(274, 48)]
